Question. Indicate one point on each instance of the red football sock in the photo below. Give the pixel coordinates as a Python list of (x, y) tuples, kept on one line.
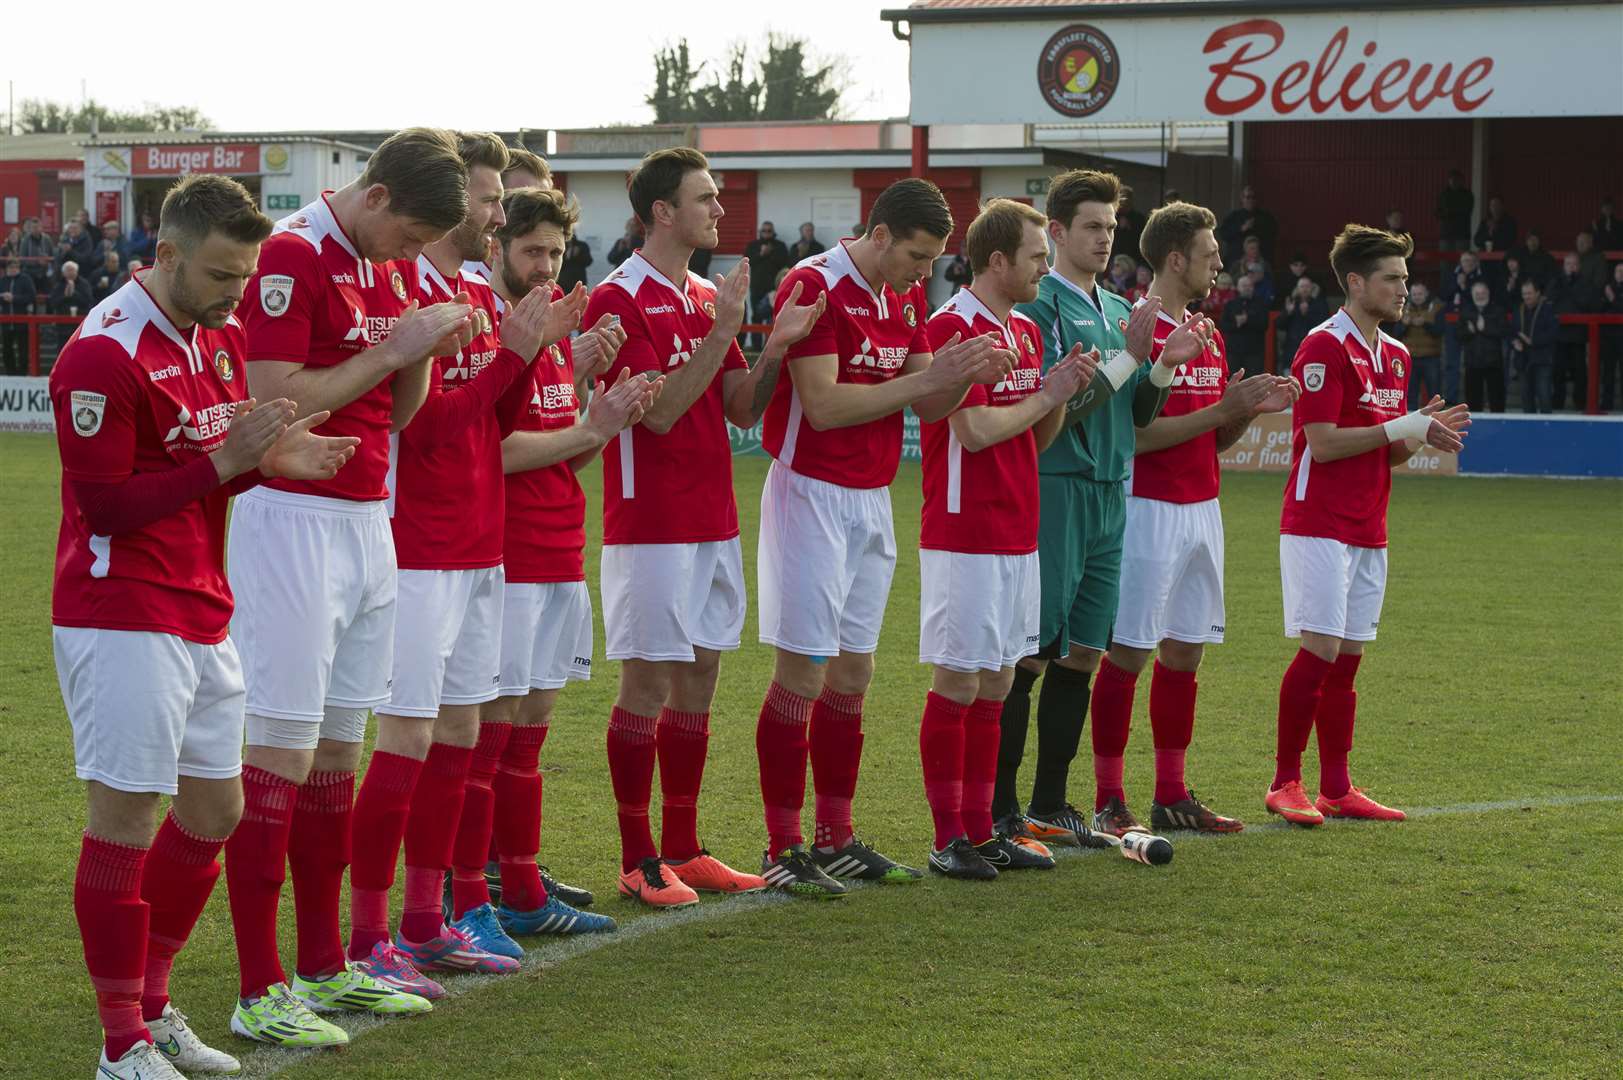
[(941, 750), (176, 880), (517, 828), (982, 732), (1112, 719), (318, 849), (1172, 724), (255, 867), (378, 827), (113, 926), (681, 740), (1298, 700), (835, 736), (430, 831), (1338, 707), (781, 749), (631, 771), (471, 848)]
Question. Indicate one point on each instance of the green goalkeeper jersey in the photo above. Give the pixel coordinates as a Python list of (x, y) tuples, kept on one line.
[(1097, 441)]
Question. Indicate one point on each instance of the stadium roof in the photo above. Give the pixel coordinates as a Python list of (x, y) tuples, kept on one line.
[(946, 11)]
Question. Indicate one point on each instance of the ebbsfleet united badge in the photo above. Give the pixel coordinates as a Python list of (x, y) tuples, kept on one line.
[(398, 283), (1397, 366), (1078, 70), (710, 309), (909, 316), (222, 364)]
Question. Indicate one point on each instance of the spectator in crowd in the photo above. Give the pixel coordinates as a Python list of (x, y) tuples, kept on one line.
[(1482, 331), (767, 255), (807, 246), (1218, 299), (1285, 282), (1123, 273), (1305, 308), (1509, 290), (1129, 226), (13, 244), (16, 298), (1497, 232), (1394, 222), (1611, 338), (107, 278), (143, 239), (112, 239), (1534, 346), (1250, 219), (1421, 331), (1456, 297), (1252, 261), (37, 252), (71, 294), (631, 241), (1608, 229), (76, 245), (699, 262), (957, 272), (1571, 293), (1454, 205), (1140, 288), (1535, 259), (1245, 327), (572, 267), (1591, 263)]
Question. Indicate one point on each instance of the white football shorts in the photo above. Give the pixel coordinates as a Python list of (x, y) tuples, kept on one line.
[(1331, 588), (447, 640), (978, 612), (660, 601), (1171, 574), (546, 636)]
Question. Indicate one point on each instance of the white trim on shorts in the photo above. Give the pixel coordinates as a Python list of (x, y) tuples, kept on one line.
[(1171, 574), (447, 640), (978, 612), (825, 557), (662, 601), (1331, 588), (546, 636), (148, 708)]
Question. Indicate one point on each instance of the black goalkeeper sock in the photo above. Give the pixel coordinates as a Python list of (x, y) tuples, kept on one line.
[(1062, 710), (1011, 747)]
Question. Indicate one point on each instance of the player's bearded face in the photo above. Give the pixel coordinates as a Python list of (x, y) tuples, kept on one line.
[(474, 236), (207, 284), (1205, 262), (532, 260), (905, 261), (1029, 265), (696, 211), (1386, 289)]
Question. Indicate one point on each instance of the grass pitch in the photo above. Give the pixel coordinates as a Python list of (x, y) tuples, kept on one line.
[(1484, 939)]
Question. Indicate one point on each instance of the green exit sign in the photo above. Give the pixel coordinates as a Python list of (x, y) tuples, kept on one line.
[(292, 202), (1039, 186)]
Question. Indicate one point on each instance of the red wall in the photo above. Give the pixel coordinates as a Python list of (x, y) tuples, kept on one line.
[(1553, 173), (1316, 176), (738, 225), (961, 186), (31, 181)]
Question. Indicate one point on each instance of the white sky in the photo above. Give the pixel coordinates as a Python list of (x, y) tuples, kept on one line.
[(301, 64)]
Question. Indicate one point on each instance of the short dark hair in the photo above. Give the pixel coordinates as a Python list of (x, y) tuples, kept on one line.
[(424, 172), (1173, 228), (520, 158), (1359, 247), (1069, 190), (1000, 226), (659, 176), (529, 208), (909, 205), (482, 148), (203, 203)]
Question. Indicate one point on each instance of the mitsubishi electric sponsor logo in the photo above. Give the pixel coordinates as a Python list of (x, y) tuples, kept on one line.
[(1382, 398), (1200, 378), (884, 358), (201, 430), (1017, 381)]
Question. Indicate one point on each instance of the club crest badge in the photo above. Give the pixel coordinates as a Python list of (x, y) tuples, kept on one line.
[(222, 364), (398, 283), (710, 309), (1397, 366), (909, 316)]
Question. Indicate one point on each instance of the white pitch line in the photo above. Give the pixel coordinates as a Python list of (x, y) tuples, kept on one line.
[(270, 1061)]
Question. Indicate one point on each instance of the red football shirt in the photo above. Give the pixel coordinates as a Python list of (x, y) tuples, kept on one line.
[(985, 502), (546, 508), (1188, 472), (132, 394), (315, 301), (675, 488), (870, 335), (445, 476), (1349, 384)]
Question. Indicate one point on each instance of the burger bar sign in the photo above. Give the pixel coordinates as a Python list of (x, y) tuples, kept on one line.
[(1345, 65), (229, 159)]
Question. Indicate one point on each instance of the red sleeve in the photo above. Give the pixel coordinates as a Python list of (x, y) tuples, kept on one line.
[(278, 307), (921, 305), (446, 412), (637, 353), (734, 360), (1320, 366), (96, 395), (936, 332), (112, 509), (823, 340)]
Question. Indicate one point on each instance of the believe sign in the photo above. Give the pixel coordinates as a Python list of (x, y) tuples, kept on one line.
[(1487, 62)]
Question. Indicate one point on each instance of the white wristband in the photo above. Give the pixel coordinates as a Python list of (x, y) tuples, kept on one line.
[(1410, 426), (1161, 376), (1118, 369)]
